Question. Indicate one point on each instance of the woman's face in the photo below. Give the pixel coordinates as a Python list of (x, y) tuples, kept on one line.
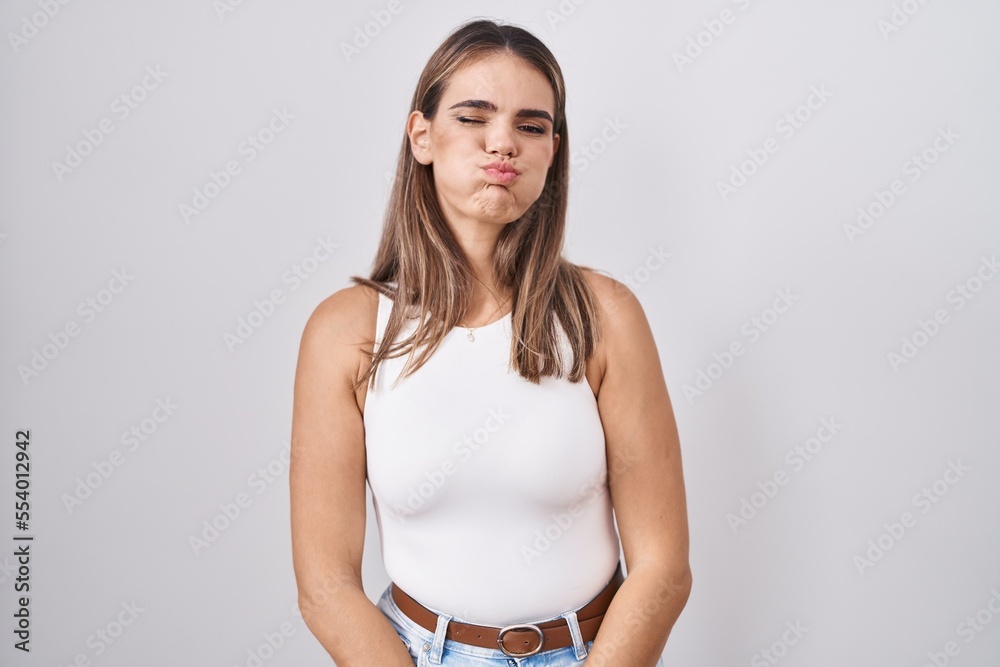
[(495, 111)]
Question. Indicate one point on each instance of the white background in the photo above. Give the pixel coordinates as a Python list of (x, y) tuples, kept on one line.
[(651, 184)]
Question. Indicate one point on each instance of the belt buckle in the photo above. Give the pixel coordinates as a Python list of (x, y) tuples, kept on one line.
[(541, 639)]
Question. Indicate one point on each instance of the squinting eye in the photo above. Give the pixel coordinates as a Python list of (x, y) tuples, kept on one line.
[(533, 129)]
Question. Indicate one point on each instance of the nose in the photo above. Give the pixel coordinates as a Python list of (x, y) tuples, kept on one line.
[(500, 140)]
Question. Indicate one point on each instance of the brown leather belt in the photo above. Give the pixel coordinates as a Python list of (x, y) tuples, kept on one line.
[(521, 639)]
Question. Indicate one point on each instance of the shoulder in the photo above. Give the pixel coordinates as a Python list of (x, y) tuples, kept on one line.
[(626, 349), (625, 344), (620, 313), (346, 318)]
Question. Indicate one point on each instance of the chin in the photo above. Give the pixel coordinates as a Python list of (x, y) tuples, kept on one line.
[(497, 211), (498, 218)]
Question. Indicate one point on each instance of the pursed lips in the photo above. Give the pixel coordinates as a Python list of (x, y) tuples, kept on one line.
[(502, 172)]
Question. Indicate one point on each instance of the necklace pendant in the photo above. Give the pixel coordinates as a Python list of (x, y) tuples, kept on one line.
[(470, 336)]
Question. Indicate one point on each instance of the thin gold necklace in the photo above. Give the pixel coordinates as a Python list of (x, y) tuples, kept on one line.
[(470, 335)]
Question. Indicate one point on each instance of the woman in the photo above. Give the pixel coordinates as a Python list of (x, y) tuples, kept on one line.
[(529, 404)]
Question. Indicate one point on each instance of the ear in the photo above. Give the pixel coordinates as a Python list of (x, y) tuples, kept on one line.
[(555, 148), (418, 129)]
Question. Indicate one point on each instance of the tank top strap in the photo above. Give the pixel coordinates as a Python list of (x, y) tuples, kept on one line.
[(381, 318)]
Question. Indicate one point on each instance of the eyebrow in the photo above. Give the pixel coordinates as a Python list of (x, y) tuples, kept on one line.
[(486, 105)]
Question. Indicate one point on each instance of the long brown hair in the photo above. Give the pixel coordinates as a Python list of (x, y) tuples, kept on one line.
[(432, 276)]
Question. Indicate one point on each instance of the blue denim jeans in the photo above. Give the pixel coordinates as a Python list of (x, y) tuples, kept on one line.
[(431, 648)]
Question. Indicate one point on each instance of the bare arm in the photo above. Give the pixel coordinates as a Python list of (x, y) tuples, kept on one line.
[(646, 482), (327, 486)]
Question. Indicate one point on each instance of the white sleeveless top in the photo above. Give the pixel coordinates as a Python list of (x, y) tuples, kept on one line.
[(490, 492)]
